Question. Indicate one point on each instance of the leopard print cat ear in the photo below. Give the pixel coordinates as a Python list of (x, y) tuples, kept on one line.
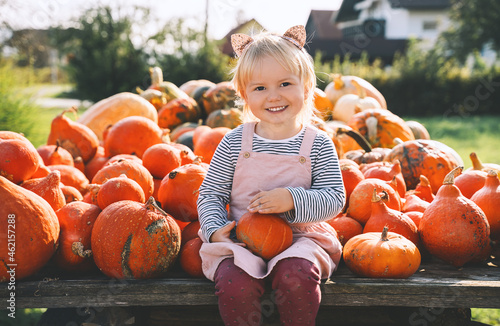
[(239, 43), (296, 35)]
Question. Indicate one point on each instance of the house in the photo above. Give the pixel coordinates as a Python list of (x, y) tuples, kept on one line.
[(384, 22), (249, 27), (379, 28)]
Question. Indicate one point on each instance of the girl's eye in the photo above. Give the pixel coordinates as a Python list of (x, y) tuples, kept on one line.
[(259, 88), (285, 84)]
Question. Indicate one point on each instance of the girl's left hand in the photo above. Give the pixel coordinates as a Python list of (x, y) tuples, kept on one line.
[(276, 201)]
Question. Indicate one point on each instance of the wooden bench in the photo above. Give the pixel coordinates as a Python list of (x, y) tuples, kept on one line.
[(437, 290)]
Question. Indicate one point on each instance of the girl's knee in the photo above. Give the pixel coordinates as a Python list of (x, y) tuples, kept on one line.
[(293, 273)]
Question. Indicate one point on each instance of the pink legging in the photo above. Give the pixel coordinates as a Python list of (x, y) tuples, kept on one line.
[(297, 294)]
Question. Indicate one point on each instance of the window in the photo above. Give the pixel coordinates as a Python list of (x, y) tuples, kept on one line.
[(430, 25)]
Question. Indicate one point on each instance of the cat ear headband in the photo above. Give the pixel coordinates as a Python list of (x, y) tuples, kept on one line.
[(295, 35)]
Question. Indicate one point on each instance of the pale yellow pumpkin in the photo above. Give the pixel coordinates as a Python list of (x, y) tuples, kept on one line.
[(114, 108), (342, 85), (350, 104)]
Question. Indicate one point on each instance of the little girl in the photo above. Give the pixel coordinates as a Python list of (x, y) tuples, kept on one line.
[(275, 163)]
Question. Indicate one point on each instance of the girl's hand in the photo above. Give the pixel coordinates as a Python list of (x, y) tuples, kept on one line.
[(275, 201), (222, 234)]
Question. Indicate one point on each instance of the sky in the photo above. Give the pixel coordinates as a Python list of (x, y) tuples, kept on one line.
[(274, 15)]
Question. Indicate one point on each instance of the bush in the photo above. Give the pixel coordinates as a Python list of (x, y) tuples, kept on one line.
[(17, 111)]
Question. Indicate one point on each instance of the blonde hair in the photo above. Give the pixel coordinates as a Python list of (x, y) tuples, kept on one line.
[(289, 56)]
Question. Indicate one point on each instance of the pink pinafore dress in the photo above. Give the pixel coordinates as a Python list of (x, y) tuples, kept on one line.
[(255, 172)]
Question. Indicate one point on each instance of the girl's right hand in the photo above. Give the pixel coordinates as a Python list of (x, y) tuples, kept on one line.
[(223, 234)]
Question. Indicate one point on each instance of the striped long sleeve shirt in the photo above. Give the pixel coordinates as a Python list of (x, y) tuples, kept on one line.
[(322, 201)]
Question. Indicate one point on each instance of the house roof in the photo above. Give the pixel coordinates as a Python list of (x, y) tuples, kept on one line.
[(320, 25), (349, 12), (420, 4), (249, 27)]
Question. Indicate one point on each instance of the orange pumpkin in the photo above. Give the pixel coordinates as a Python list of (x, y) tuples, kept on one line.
[(160, 159), (190, 259), (55, 154), (132, 135), (77, 220), (190, 231), (414, 203), (177, 112), (33, 222), (96, 163), (351, 176), (19, 160), (346, 227), (71, 194), (382, 216), (380, 127), (48, 188), (266, 235), (470, 181), (206, 140), (178, 191), (322, 104), (424, 189), (134, 240), (454, 228), (488, 199), (381, 255), (132, 170), (119, 188), (419, 157), (71, 176), (75, 137), (387, 173), (360, 206)]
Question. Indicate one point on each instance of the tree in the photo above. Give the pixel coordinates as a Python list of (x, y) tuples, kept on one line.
[(188, 54), (474, 25), (102, 59)]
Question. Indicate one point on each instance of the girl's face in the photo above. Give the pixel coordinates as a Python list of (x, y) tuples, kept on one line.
[(275, 95)]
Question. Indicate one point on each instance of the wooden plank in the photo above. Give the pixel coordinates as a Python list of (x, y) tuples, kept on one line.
[(435, 285)]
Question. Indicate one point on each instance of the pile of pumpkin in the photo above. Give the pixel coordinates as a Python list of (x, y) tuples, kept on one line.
[(117, 187)]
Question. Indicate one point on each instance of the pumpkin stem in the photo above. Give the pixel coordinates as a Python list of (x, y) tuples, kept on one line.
[(156, 76), (77, 249), (476, 162), (398, 141), (360, 140), (450, 177), (424, 182), (361, 90), (152, 203), (73, 109), (58, 144), (338, 83), (139, 90), (172, 174), (492, 173), (375, 197), (371, 126), (383, 236)]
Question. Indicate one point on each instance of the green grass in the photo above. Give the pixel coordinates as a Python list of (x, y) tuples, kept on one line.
[(480, 134), (486, 316)]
